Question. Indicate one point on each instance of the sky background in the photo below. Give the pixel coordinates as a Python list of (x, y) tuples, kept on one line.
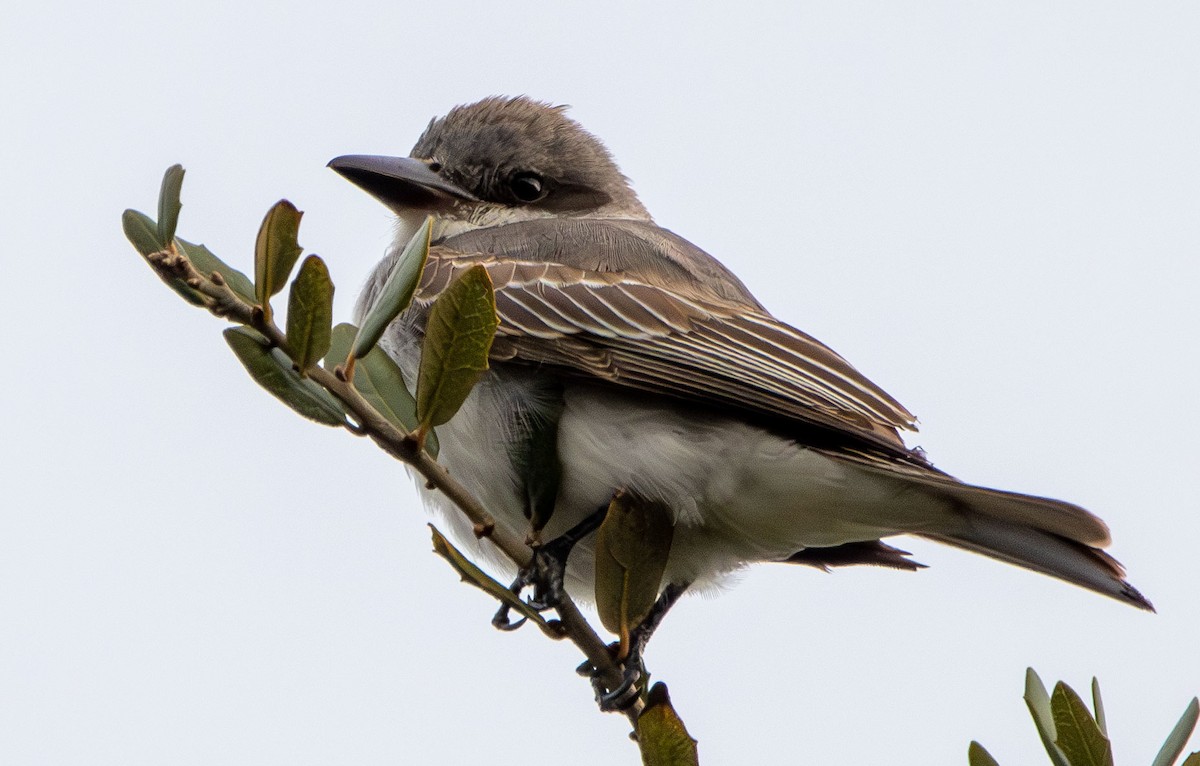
[(992, 209)]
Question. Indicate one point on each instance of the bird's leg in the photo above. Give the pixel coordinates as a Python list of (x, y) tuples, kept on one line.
[(640, 636), (634, 665)]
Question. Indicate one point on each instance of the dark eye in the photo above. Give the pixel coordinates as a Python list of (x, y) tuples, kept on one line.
[(527, 187)]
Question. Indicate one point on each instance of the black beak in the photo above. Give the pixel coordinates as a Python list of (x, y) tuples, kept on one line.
[(399, 182)]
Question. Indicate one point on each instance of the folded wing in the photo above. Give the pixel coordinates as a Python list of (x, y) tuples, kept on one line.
[(674, 340)]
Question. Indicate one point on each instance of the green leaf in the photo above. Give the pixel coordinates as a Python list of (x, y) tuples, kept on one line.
[(535, 458), (206, 263), (632, 546), (310, 313), (1079, 737), (1038, 701), (458, 337), (379, 381), (272, 370), (480, 579), (977, 756), (169, 205), (275, 251), (1098, 705), (661, 735), (397, 291), (142, 233), (1179, 737)]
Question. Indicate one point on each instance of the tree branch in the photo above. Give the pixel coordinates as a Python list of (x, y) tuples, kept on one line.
[(223, 302)]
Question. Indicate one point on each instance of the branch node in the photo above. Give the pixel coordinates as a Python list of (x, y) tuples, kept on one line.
[(484, 528), (411, 448)]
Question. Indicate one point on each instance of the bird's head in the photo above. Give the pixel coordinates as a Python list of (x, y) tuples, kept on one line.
[(497, 161)]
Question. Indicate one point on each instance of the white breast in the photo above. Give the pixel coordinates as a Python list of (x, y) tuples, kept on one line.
[(739, 494)]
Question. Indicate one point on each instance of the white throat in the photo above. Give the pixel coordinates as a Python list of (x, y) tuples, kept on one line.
[(468, 217)]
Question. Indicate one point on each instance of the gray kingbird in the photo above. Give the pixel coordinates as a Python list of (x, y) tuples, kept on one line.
[(660, 374)]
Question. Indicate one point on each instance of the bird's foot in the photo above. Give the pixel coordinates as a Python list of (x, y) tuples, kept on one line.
[(545, 576), (633, 667), (621, 697), (546, 572)]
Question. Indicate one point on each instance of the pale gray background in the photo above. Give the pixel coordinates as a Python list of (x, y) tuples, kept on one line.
[(992, 210)]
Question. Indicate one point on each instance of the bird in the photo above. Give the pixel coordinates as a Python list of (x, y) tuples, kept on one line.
[(648, 367)]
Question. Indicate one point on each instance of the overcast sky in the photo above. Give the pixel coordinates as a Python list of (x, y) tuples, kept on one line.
[(992, 209)]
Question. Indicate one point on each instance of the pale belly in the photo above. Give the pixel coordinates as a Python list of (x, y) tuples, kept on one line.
[(739, 494)]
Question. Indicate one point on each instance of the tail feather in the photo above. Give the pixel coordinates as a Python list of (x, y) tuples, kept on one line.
[(1057, 517), (1048, 536), (1045, 552)]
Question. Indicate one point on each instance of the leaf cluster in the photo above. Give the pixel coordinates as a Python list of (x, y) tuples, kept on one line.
[(1073, 735), (455, 354)]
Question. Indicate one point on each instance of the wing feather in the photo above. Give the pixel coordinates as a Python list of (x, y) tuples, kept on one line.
[(674, 340)]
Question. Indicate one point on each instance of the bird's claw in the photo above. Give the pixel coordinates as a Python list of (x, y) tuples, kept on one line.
[(621, 698), (501, 622), (626, 693)]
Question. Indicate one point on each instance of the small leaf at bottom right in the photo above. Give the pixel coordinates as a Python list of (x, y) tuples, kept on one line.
[(662, 737)]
